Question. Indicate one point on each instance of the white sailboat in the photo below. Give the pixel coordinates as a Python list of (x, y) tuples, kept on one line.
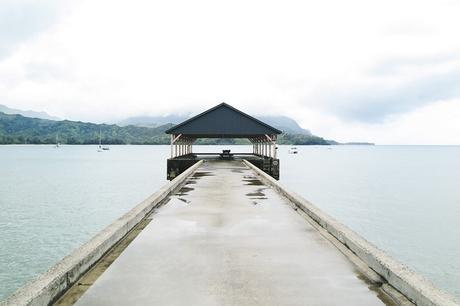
[(101, 147), (57, 141)]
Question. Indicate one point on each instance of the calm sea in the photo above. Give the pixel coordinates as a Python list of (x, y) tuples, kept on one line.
[(404, 199)]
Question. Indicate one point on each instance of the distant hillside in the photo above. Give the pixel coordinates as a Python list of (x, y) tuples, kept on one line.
[(152, 121), (283, 123), (17, 129), (32, 114), (18, 126)]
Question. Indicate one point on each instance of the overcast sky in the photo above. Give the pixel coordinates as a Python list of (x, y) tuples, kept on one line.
[(380, 71)]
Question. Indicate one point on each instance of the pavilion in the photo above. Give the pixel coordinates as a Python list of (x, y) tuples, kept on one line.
[(223, 121)]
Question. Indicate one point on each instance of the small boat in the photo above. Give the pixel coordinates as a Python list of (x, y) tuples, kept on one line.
[(293, 150), (101, 147), (57, 142)]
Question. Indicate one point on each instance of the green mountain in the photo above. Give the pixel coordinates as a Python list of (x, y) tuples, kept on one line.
[(282, 123), (17, 129), (152, 121)]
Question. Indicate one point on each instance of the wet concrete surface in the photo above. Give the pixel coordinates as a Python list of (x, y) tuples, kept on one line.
[(227, 239)]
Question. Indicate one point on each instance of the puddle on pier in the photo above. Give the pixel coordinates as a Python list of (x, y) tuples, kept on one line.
[(253, 182), (385, 298), (184, 191), (258, 193), (184, 200), (202, 173)]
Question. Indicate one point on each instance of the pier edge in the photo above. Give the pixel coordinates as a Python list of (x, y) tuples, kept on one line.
[(398, 277), (51, 285)]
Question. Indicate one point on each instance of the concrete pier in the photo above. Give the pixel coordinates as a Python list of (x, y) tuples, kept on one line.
[(226, 238)]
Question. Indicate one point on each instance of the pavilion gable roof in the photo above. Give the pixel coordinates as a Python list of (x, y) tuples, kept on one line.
[(223, 121)]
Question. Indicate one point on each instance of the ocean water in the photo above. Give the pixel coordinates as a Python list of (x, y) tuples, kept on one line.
[(403, 199), (52, 200)]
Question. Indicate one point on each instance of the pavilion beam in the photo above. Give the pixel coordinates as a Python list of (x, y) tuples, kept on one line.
[(272, 141), (176, 149), (172, 148), (260, 147), (265, 147)]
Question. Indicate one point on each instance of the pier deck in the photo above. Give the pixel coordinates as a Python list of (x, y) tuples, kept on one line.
[(225, 238)]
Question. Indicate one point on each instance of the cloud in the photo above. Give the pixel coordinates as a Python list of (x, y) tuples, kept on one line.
[(23, 19), (42, 72), (324, 61), (436, 124), (393, 87), (399, 65)]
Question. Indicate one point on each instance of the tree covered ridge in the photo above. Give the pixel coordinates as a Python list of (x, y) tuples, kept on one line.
[(17, 129)]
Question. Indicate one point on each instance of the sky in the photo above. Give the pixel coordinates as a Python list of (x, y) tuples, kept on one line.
[(380, 71)]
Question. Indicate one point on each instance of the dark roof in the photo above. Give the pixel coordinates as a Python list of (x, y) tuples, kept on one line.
[(223, 121)]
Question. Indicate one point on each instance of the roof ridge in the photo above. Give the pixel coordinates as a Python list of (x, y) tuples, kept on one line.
[(223, 104)]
